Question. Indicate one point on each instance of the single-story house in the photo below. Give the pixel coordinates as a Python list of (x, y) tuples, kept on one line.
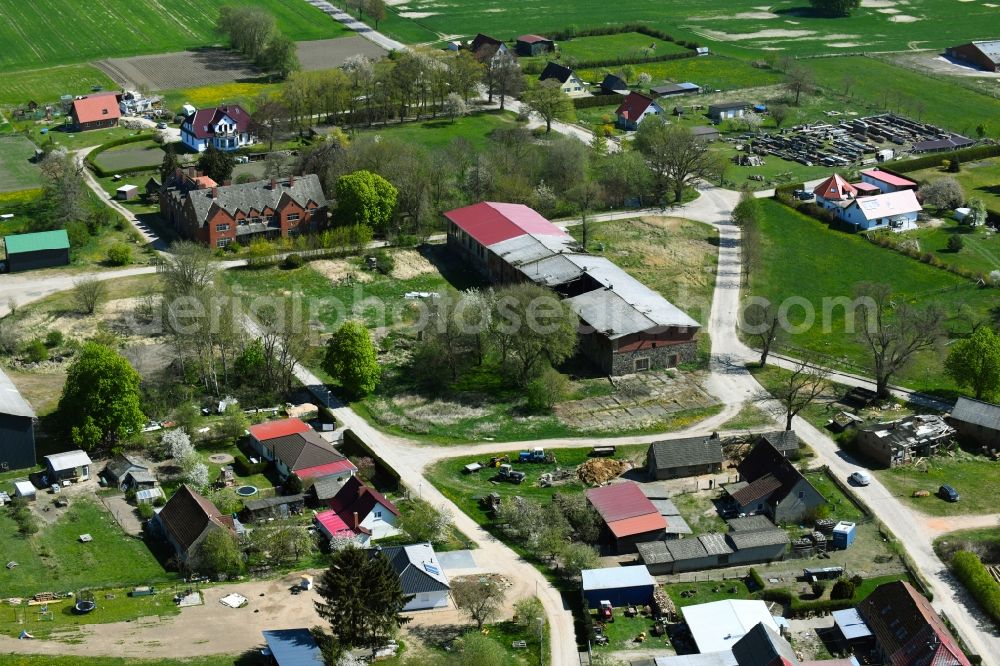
[(705, 133), (119, 467), (17, 427), (670, 89), (899, 442), (67, 466), (186, 519), (771, 485), (622, 586), (533, 45), (365, 510), (635, 108), (907, 629), (887, 181), (420, 574), (614, 84), (759, 646), (727, 110), (977, 420), (293, 647), (984, 54), (717, 626), (296, 448), (629, 516), (279, 506), (569, 82), (41, 249), (96, 111), (690, 456), (484, 47)]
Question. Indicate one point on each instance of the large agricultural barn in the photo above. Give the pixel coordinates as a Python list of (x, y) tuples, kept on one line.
[(17, 427), (626, 326), (984, 55), (38, 250)]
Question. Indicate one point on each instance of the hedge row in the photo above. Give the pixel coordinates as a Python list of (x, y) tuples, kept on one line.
[(797, 608), (902, 246), (935, 159), (632, 60), (246, 468), (102, 173), (641, 28), (596, 100), (970, 570)]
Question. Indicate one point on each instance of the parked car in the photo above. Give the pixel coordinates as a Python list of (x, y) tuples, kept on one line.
[(948, 493), (161, 126), (803, 195), (860, 478)]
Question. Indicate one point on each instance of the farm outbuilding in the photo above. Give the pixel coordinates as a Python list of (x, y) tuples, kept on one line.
[(718, 625), (293, 647), (37, 250), (532, 45), (985, 55), (127, 193), (17, 427), (622, 586), (67, 466), (720, 112), (25, 489)]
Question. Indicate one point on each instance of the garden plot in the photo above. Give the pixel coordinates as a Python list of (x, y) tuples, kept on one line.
[(185, 69), (330, 53), (17, 172)]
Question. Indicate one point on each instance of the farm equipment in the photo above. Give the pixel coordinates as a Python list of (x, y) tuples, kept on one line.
[(599, 636), (605, 451), (536, 455), (496, 461), (606, 612), (509, 474), (490, 503)]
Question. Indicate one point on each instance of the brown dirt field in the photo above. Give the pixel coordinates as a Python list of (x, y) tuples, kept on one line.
[(40, 389), (329, 53), (338, 270), (410, 264)]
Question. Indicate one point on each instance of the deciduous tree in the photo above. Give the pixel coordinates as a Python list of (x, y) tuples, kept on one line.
[(835, 8), (549, 101), (531, 327), (88, 293), (676, 157), (366, 198), (218, 553), (351, 359), (762, 323), (943, 193), (479, 598), (216, 164), (975, 362), (799, 79)]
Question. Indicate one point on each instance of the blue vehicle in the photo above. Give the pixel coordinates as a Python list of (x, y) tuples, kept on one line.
[(948, 493)]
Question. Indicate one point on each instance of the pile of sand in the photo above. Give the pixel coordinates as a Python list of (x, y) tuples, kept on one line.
[(597, 471)]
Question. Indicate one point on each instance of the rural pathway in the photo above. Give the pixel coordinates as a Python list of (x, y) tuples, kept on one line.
[(366, 31)]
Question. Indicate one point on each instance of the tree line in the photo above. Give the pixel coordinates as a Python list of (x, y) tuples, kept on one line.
[(253, 32)]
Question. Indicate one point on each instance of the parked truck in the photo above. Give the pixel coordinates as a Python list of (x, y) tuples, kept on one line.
[(509, 474)]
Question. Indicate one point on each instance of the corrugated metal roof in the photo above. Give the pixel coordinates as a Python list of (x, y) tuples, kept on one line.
[(654, 552), (888, 178), (772, 537), (490, 222), (271, 429), (677, 525), (665, 507), (616, 577), (686, 549), (42, 240), (11, 400), (530, 247), (850, 624), (977, 412), (650, 522), (68, 460), (700, 450), (620, 501)]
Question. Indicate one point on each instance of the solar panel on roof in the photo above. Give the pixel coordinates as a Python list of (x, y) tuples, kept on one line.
[(431, 569)]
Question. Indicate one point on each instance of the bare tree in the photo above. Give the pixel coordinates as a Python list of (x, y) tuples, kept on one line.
[(88, 294), (799, 79), (894, 332), (797, 389), (586, 194), (762, 324)]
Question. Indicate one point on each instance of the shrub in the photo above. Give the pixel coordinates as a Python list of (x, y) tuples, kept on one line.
[(755, 577), (292, 485), (159, 501), (546, 390), (36, 351), (119, 254), (293, 261), (842, 589), (818, 587), (970, 570), (146, 510), (956, 243), (244, 467), (53, 338)]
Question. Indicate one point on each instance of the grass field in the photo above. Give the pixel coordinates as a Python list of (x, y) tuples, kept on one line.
[(47, 85), (884, 86), (981, 180), (17, 172), (980, 251), (972, 476), (139, 154), (804, 258), (603, 47), (235, 93), (475, 129), (713, 72), (58, 32)]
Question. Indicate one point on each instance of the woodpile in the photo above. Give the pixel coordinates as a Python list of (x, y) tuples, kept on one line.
[(598, 471)]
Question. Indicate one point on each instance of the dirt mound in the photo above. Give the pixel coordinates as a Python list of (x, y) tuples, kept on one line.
[(338, 270), (596, 471)]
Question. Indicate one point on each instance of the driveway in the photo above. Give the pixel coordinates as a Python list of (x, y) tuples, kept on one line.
[(124, 513)]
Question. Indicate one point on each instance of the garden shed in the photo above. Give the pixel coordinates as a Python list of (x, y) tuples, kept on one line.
[(37, 250), (127, 192), (621, 586)]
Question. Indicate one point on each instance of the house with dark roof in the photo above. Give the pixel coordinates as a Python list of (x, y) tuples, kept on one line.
[(690, 456), (216, 215), (727, 111), (785, 441), (614, 84), (977, 420), (227, 127), (420, 575), (97, 111), (364, 509), (186, 519), (296, 448), (629, 516), (984, 54), (899, 442), (907, 630), (486, 48), (533, 45), (771, 485), (17, 427), (126, 471), (635, 108), (569, 82)]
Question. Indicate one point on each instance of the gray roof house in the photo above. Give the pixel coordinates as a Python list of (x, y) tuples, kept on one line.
[(977, 420), (690, 456), (785, 441), (420, 574), (771, 485), (17, 427), (120, 467)]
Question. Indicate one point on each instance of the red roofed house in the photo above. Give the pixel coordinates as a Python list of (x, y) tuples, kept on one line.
[(532, 45), (296, 448), (95, 111), (893, 205), (635, 108), (834, 189), (908, 632), (365, 510), (886, 181), (186, 519), (227, 127), (630, 517)]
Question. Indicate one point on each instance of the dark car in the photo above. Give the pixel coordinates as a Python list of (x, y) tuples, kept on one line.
[(803, 195), (946, 492)]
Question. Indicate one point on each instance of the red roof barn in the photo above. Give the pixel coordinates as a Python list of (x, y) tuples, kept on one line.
[(629, 515), (488, 222)]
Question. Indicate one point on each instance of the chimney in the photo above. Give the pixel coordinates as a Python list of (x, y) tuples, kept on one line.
[(356, 521), (215, 191), (274, 183), (291, 180)]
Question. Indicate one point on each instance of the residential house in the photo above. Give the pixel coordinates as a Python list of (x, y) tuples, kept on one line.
[(785, 441), (622, 586), (887, 181), (690, 456), (727, 111), (671, 89), (365, 510), (278, 507), (612, 84), (97, 111), (985, 54), (125, 471), (216, 215), (186, 519), (834, 192), (635, 108), (485, 48), (569, 82), (17, 427), (771, 485), (533, 45), (897, 210), (67, 466), (908, 631), (296, 448), (41, 249), (626, 327), (293, 647), (227, 127), (899, 442), (420, 575), (629, 516), (977, 420)]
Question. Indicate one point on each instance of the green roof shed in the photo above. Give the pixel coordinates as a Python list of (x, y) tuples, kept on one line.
[(37, 250)]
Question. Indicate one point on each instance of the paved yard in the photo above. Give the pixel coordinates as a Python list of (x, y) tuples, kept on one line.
[(124, 513)]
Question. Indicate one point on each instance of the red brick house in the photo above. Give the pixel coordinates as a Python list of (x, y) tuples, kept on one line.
[(96, 111), (217, 215)]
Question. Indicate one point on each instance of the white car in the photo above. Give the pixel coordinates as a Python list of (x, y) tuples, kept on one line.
[(860, 478)]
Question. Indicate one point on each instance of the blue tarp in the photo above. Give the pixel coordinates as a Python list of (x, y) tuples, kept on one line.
[(293, 647)]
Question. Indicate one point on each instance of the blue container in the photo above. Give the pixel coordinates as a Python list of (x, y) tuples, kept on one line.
[(844, 535)]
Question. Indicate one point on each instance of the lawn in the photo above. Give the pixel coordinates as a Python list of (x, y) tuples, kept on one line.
[(981, 180), (699, 512), (707, 592), (55, 560), (804, 259), (980, 250), (886, 87), (972, 476), (750, 417), (17, 171), (712, 72), (985, 542), (77, 32), (140, 154), (623, 632), (47, 85), (431, 134), (633, 45)]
